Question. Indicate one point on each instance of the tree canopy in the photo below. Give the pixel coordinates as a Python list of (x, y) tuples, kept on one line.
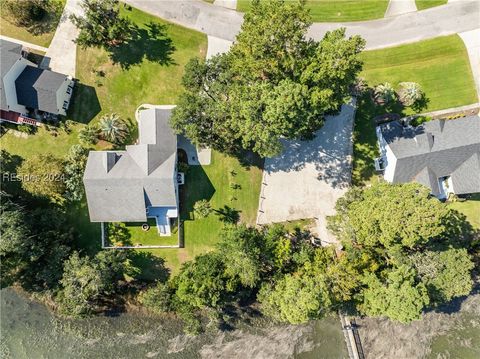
[(87, 280), (43, 175), (406, 249), (272, 84), (101, 25)]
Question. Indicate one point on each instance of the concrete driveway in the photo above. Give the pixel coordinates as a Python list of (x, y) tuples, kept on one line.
[(61, 55), (309, 177)]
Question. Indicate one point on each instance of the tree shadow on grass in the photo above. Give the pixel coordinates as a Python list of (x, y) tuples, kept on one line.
[(228, 214), (151, 43), (152, 268), (84, 104), (197, 187)]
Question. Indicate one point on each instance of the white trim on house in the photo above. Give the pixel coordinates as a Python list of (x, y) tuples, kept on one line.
[(387, 156)]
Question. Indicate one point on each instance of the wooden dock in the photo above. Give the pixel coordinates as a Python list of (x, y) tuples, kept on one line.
[(352, 338)]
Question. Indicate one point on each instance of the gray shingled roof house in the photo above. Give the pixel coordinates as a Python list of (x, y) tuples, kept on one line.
[(25, 87), (443, 155), (140, 182)]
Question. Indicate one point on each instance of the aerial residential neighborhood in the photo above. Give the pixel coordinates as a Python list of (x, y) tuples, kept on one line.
[(240, 178)]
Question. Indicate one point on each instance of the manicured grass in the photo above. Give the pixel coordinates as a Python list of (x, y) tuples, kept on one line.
[(42, 141), (150, 237), (425, 4), (146, 70), (337, 10), (470, 208), (216, 183), (21, 33), (439, 65)]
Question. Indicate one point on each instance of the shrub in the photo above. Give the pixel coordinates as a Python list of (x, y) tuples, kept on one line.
[(88, 135), (410, 93), (385, 94)]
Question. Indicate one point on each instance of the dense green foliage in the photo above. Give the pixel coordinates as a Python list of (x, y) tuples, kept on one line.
[(33, 245), (88, 135), (43, 175), (87, 280), (101, 25), (273, 83), (75, 163), (26, 12), (406, 247)]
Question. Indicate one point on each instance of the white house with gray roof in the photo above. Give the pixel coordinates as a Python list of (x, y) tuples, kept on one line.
[(443, 155), (25, 88), (140, 182)]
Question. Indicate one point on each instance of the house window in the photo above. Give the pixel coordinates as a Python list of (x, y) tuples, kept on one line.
[(379, 164)]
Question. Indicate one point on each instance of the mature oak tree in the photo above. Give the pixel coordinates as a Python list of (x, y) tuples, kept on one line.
[(272, 84), (404, 248)]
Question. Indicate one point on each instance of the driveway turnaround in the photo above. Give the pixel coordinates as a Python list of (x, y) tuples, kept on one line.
[(452, 18), (308, 178), (61, 55)]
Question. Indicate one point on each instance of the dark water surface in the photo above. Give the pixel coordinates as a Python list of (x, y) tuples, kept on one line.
[(29, 330)]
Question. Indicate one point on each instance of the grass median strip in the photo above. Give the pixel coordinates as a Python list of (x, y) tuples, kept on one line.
[(337, 10)]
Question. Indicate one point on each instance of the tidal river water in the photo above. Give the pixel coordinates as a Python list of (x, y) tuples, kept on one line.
[(30, 330)]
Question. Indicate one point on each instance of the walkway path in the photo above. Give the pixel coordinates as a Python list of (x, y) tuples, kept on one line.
[(472, 43), (62, 53), (229, 4), (24, 43), (306, 180), (398, 7), (455, 17)]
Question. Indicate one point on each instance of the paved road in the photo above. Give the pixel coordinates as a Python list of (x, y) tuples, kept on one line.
[(308, 178), (455, 17)]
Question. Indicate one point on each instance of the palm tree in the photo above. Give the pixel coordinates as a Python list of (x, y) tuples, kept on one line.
[(113, 128), (410, 93), (385, 94)]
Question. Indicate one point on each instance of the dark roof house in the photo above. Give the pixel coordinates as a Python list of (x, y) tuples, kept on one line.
[(25, 87), (443, 155), (37, 88)]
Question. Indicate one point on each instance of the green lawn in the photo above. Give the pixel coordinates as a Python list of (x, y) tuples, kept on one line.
[(213, 182), (41, 38), (42, 141), (338, 10), (470, 208), (147, 70), (150, 237), (425, 4), (440, 66)]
